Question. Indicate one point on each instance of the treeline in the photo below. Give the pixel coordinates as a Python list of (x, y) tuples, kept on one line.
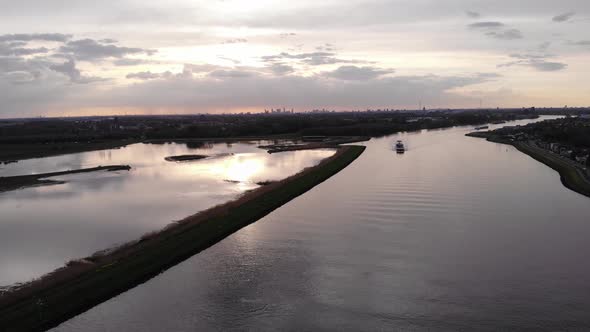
[(82, 130), (569, 131)]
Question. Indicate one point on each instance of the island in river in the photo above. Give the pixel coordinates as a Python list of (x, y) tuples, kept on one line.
[(185, 157)]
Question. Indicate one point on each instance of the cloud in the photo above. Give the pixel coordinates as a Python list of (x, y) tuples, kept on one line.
[(89, 50), (53, 37), (234, 61), (215, 72), (147, 75), (536, 61), (69, 69), (232, 73), (129, 62), (226, 92), (15, 69), (235, 41), (548, 66), (29, 51), (530, 56), (354, 73), (208, 87), (19, 77), (486, 25), (16, 43), (312, 58), (509, 34), (327, 47), (544, 46), (487, 76), (281, 69), (14, 49), (472, 14), (581, 43), (202, 68), (187, 72), (300, 56), (506, 35), (563, 17), (287, 34), (24, 95)]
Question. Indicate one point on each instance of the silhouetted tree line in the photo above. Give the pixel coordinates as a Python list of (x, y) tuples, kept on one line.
[(570, 131), (218, 126)]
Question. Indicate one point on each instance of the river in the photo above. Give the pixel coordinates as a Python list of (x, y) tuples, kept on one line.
[(41, 228), (456, 234)]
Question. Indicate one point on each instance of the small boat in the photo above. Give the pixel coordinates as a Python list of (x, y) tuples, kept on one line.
[(399, 147), (482, 127)]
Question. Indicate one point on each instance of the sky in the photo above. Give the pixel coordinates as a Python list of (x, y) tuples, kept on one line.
[(79, 57)]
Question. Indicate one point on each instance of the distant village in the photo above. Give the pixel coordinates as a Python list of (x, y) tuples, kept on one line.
[(567, 137)]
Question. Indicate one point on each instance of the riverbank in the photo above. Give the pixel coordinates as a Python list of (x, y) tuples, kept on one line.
[(22, 181), (84, 283), (571, 175), (16, 152), (11, 153)]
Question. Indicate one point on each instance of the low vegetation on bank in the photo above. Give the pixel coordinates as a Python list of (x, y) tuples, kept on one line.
[(71, 290)]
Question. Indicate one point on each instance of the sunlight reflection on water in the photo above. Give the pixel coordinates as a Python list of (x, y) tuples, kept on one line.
[(43, 227)]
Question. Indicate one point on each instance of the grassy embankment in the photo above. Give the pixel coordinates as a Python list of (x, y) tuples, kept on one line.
[(21, 181), (571, 176), (85, 283)]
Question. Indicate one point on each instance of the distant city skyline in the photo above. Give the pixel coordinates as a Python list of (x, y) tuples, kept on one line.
[(68, 57)]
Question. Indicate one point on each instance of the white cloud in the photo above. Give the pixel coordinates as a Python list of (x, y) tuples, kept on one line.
[(282, 45), (486, 25), (55, 37), (538, 62), (510, 34), (69, 69), (90, 50)]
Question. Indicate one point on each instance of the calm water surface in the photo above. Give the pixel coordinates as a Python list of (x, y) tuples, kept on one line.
[(42, 228), (457, 234)]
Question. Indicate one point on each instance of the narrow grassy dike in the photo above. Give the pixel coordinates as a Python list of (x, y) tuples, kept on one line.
[(76, 288)]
